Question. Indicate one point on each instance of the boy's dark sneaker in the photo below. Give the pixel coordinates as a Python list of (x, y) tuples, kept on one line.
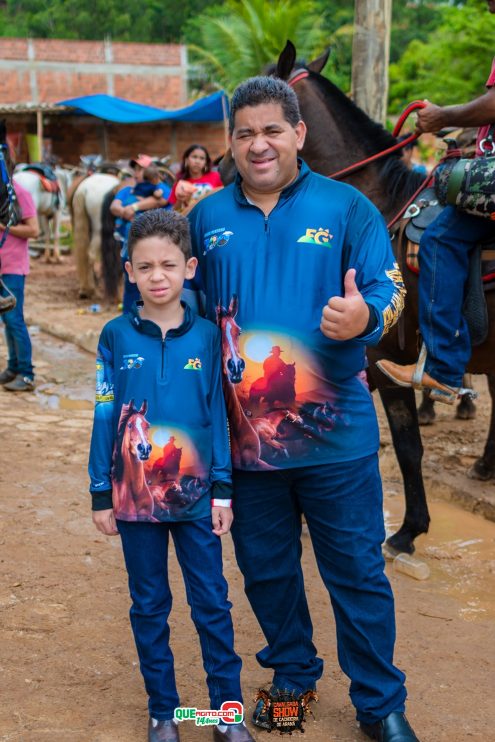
[(6, 376), (232, 733), (20, 384), (160, 730)]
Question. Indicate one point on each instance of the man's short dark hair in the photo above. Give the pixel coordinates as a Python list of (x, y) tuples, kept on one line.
[(258, 90), (160, 223)]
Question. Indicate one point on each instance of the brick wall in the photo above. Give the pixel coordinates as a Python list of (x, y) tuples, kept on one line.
[(48, 70), (72, 136)]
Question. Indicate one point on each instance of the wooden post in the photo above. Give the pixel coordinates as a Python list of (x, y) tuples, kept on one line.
[(39, 134), (370, 56), (225, 121)]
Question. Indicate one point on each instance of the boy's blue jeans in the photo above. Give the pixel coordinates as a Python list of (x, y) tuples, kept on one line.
[(444, 267), (199, 553), (16, 332), (342, 504)]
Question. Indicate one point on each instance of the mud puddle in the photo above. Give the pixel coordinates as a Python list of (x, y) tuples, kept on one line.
[(460, 552)]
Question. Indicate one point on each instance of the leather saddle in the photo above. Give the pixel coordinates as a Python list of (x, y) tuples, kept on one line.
[(48, 180), (481, 278)]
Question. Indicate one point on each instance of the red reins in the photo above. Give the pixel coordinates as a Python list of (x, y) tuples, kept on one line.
[(414, 105)]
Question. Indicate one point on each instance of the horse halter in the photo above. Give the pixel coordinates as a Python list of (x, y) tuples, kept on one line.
[(296, 75)]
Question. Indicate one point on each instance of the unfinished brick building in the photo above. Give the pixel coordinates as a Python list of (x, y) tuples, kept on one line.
[(37, 73)]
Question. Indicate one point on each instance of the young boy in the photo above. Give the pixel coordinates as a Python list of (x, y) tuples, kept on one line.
[(160, 464)]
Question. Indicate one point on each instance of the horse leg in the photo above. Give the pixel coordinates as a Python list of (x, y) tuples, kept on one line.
[(426, 410), (400, 408), (56, 236), (45, 226), (466, 409), (484, 467)]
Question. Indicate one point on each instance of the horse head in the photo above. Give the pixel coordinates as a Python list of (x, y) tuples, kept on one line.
[(234, 365), (135, 436)]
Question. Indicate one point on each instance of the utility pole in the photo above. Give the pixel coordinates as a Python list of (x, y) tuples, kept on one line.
[(370, 56)]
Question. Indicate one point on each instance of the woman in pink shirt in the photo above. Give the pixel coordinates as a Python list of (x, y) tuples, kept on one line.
[(18, 376)]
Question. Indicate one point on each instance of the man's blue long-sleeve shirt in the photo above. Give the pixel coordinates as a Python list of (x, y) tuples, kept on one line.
[(294, 396)]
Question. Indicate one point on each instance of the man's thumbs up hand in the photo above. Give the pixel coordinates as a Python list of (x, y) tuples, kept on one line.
[(345, 317)]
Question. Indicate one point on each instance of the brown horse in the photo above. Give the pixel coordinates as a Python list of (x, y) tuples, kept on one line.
[(340, 134), (246, 444), (132, 449)]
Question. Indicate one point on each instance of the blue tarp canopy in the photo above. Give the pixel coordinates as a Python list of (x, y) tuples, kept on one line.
[(123, 111)]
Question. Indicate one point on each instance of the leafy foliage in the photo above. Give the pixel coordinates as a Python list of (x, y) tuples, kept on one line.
[(159, 21), (238, 39), (452, 64)]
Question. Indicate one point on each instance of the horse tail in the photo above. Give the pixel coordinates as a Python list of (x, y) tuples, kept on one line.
[(81, 235), (111, 266)]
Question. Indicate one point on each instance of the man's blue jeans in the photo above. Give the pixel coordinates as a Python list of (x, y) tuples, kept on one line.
[(444, 267), (16, 332), (342, 504), (199, 553)]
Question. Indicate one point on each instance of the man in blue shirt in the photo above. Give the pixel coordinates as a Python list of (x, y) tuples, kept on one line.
[(302, 265)]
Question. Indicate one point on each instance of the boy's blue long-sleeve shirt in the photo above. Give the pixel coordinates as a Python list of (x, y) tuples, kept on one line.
[(159, 447), (295, 397)]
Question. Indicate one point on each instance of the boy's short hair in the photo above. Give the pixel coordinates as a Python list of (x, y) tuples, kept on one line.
[(258, 90), (151, 174), (161, 223)]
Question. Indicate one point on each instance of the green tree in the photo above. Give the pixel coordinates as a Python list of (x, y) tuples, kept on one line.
[(452, 65), (158, 21), (238, 39)]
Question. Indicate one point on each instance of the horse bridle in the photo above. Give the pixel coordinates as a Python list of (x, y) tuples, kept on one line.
[(301, 74)]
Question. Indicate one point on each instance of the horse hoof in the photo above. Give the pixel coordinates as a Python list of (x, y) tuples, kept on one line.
[(400, 542), (480, 471), (466, 411), (426, 417)]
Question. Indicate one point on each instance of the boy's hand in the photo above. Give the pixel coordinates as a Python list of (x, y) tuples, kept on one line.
[(222, 519), (104, 520)]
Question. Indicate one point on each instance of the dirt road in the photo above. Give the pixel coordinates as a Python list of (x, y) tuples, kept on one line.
[(68, 669)]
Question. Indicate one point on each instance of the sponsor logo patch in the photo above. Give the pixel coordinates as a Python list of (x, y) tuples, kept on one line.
[(216, 238), (318, 236), (193, 364)]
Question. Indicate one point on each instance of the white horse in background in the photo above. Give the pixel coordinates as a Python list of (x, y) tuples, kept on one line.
[(86, 227), (48, 205)]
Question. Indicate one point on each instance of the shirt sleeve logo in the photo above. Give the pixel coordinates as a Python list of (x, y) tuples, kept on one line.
[(318, 236)]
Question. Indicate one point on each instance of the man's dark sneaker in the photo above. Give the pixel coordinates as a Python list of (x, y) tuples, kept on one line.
[(6, 376), (232, 733), (163, 731), (20, 384), (393, 728)]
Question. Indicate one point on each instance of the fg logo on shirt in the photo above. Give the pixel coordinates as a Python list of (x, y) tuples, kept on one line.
[(318, 236)]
